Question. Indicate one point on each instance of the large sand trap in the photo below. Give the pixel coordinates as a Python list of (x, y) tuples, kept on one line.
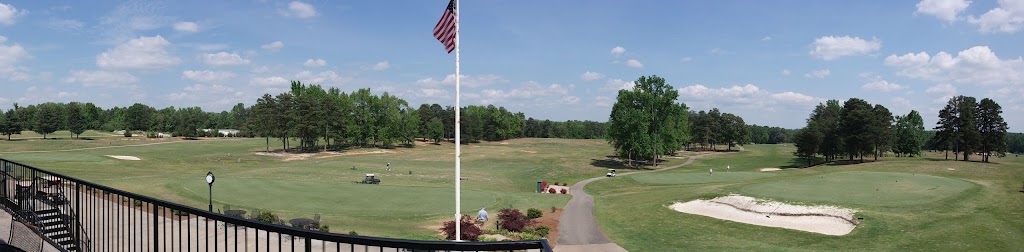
[(827, 220), (770, 169), (132, 158)]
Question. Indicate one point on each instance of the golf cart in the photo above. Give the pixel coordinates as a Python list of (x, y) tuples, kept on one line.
[(611, 173), (370, 179)]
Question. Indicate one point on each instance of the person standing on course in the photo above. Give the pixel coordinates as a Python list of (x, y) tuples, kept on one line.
[(389, 166), (481, 216)]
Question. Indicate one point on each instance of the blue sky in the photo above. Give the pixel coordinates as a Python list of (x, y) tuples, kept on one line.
[(767, 61)]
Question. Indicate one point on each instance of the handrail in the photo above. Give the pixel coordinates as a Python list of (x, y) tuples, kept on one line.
[(310, 234)]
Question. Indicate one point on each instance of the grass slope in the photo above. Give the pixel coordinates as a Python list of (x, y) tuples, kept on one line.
[(975, 207)]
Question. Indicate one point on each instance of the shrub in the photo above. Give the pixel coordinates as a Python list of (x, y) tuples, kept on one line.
[(564, 191), (513, 220), (565, 184), (534, 213), (488, 239), (127, 133), (353, 232), (324, 228), (470, 232), (556, 183), (265, 216), (551, 190), (542, 231)]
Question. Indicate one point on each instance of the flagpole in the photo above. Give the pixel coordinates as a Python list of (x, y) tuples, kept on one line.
[(458, 138)]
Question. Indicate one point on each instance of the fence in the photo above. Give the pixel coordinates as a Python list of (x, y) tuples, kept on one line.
[(77, 215)]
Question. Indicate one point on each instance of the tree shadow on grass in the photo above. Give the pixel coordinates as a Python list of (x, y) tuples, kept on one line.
[(614, 162)]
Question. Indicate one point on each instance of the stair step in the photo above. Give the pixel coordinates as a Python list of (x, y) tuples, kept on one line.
[(61, 236), (50, 221), (66, 242), (54, 229), (47, 211)]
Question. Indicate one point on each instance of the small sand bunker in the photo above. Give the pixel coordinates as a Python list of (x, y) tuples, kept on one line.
[(827, 220), (770, 169), (951, 169), (132, 158)]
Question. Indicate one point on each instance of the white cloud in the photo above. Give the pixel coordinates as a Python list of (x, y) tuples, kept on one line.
[(299, 9), (103, 79), (471, 81), (223, 59), (819, 74), (766, 38), (719, 51), (686, 59), (273, 46), (315, 63), (9, 14), (747, 97), (208, 47), (786, 72), (433, 93), (130, 17), (207, 76), (901, 102), (140, 53), (976, 65), (830, 48), (1008, 17), (532, 92), (186, 26), (10, 55), (943, 9), (882, 85), (618, 51), (269, 81), (634, 63), (942, 89), (381, 66), (614, 85), (589, 76), (326, 78), (207, 96), (603, 101)]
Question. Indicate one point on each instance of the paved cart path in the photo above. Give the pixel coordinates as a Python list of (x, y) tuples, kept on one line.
[(578, 230)]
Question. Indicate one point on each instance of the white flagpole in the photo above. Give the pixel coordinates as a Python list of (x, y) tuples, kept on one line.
[(458, 138)]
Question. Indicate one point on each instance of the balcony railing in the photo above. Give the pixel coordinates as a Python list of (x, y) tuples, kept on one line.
[(77, 215)]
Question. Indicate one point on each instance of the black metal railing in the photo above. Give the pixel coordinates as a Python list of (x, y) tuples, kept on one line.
[(93, 217)]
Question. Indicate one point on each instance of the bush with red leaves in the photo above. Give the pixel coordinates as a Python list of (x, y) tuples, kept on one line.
[(513, 220), (551, 190), (564, 191), (470, 232)]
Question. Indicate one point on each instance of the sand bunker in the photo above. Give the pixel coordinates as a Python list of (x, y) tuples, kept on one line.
[(827, 220), (132, 158), (770, 169)]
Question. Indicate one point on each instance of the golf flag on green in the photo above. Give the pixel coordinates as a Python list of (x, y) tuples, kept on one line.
[(447, 31)]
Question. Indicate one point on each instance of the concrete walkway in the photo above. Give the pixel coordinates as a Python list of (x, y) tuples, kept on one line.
[(578, 230)]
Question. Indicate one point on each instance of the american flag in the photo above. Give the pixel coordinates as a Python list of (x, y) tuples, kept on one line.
[(444, 31)]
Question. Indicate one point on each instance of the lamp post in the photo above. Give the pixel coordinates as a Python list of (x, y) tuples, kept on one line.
[(209, 181)]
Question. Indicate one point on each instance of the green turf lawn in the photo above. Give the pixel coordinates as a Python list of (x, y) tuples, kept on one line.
[(975, 207), (496, 175), (696, 177)]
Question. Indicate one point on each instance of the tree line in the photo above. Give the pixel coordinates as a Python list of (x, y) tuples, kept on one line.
[(856, 128), (307, 113), (647, 122), (967, 126)]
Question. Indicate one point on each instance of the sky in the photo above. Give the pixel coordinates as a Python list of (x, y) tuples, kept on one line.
[(769, 62)]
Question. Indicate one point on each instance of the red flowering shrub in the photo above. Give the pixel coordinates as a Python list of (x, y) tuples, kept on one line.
[(564, 191), (470, 232), (551, 190), (513, 220)]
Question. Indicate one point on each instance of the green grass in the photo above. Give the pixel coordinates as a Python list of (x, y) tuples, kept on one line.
[(861, 188), (974, 207), (697, 178), (495, 175)]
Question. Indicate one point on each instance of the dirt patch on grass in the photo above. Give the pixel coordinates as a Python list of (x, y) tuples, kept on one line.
[(319, 155), (827, 220), (529, 151), (770, 169)]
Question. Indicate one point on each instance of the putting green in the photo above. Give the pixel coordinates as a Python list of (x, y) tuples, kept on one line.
[(696, 177), (862, 188), (352, 199)]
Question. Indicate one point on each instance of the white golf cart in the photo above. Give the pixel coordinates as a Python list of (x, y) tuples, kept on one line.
[(611, 173)]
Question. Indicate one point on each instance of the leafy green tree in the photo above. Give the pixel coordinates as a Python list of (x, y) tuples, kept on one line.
[(9, 123), (881, 129), (991, 129), (435, 129), (647, 122), (75, 119), (139, 117), (47, 118), (910, 135), (807, 141), (854, 125), (734, 130)]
